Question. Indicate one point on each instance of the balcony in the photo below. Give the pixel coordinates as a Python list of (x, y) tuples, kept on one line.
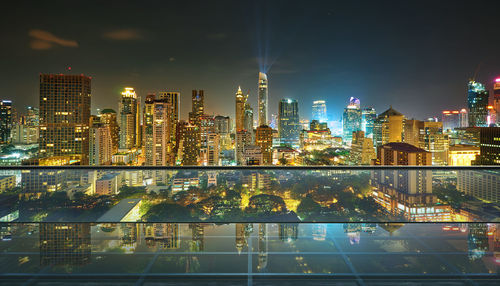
[(354, 225)]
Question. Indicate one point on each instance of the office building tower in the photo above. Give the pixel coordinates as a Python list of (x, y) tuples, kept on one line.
[(464, 118), (190, 143), (5, 121), (388, 127), (319, 111), (351, 120), (477, 99), (222, 124), (264, 139), (243, 139), (489, 144), (65, 244), (263, 99), (213, 149), (174, 101), (252, 155), (362, 150), (288, 122), (273, 122), (402, 154), (24, 134), (241, 101), (429, 136), (64, 118), (481, 184), (129, 119), (368, 117), (100, 145), (158, 147), (451, 120), (496, 100), (197, 107), (248, 118), (108, 117)]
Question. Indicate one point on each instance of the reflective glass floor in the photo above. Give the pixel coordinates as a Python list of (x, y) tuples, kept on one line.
[(250, 254)]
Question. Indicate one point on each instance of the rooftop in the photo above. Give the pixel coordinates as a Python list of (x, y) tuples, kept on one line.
[(405, 147), (119, 211)]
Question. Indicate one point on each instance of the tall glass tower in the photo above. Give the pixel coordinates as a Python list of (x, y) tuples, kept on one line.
[(477, 99), (263, 99), (351, 120), (289, 125), (368, 117), (319, 111)]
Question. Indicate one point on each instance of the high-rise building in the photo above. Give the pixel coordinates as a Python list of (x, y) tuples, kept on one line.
[(108, 117), (65, 117), (100, 145), (197, 107), (248, 118), (351, 120), (5, 120), (319, 111), (489, 144), (174, 101), (129, 119), (496, 99), (158, 147), (243, 139), (190, 143), (24, 134), (450, 119), (213, 149), (264, 139), (222, 124), (241, 101), (388, 127), (429, 136), (481, 184), (368, 116), (263, 99), (289, 125), (65, 244), (402, 154), (477, 99), (463, 118), (362, 150)]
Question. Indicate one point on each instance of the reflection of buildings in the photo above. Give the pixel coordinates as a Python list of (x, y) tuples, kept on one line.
[(129, 236), (197, 236), (481, 184), (353, 231), (263, 247), (477, 240), (243, 231), (319, 231), (163, 235), (288, 231), (67, 243)]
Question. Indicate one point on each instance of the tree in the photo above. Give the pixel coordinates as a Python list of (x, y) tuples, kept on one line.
[(308, 207)]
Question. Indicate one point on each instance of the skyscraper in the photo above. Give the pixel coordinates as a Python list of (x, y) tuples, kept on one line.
[(241, 101), (65, 117), (450, 119), (248, 119), (477, 99), (173, 100), (100, 144), (190, 143), (263, 99), (108, 117), (388, 127), (496, 99), (464, 118), (289, 125), (5, 120), (489, 146), (351, 120), (158, 147), (368, 117), (243, 139), (319, 111), (129, 121), (197, 107), (429, 136), (264, 139)]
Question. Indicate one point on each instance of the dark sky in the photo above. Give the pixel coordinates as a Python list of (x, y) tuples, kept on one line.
[(415, 55)]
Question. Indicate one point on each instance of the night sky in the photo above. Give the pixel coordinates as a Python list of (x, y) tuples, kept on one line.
[(415, 55)]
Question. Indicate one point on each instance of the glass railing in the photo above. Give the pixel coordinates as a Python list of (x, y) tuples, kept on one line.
[(254, 226)]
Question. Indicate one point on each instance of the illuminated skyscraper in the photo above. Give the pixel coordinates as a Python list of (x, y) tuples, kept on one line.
[(289, 125), (248, 119), (100, 144), (5, 120), (477, 99), (223, 128), (65, 117), (319, 111), (158, 147), (241, 101), (450, 119), (429, 136), (243, 139), (368, 117), (388, 127), (129, 120), (263, 99), (496, 99), (173, 99), (264, 139), (351, 120), (108, 117), (197, 107), (464, 118), (190, 143)]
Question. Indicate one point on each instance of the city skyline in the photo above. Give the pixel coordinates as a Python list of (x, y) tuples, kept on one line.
[(298, 66)]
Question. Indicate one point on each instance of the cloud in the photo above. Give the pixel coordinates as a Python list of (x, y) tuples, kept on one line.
[(43, 40), (216, 36), (171, 59), (123, 35)]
